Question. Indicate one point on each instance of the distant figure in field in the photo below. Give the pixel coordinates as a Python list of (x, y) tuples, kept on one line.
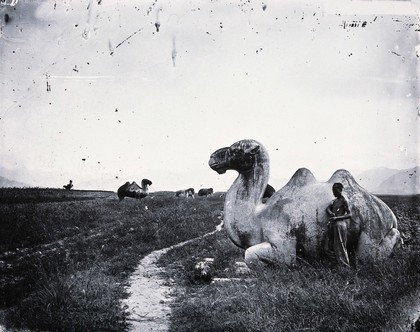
[(338, 211), (69, 185)]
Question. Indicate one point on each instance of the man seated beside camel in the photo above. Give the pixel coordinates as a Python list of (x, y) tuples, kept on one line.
[(338, 211)]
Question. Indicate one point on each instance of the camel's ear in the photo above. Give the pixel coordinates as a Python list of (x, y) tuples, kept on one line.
[(255, 150)]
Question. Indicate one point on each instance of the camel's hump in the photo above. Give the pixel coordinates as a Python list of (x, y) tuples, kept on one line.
[(342, 176), (302, 177)]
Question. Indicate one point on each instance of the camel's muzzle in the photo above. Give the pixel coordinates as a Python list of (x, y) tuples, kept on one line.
[(218, 161)]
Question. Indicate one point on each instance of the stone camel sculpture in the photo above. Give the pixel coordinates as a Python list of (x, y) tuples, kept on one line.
[(293, 221), (133, 190), (190, 192), (205, 192)]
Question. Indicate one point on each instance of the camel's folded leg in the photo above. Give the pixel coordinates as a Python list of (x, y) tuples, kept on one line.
[(282, 253), (390, 242), (369, 249)]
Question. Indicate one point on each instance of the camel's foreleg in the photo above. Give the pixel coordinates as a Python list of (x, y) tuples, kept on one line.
[(281, 253)]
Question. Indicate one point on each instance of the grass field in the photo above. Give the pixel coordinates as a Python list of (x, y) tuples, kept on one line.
[(65, 257), (64, 263)]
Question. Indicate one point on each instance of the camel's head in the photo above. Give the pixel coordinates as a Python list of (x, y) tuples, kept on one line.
[(146, 182), (240, 156)]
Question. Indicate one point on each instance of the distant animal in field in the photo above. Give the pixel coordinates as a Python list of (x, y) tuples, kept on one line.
[(205, 192), (133, 190), (185, 193), (69, 185), (293, 221)]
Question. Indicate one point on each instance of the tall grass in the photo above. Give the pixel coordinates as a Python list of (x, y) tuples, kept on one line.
[(47, 195), (64, 265), (80, 301), (307, 297)]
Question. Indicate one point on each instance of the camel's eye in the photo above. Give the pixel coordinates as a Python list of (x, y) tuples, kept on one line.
[(235, 152), (255, 150), (249, 157)]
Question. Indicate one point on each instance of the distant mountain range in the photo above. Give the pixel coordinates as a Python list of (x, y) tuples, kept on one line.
[(391, 181), (378, 181), (6, 183)]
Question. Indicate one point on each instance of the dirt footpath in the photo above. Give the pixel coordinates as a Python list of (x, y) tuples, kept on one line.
[(151, 296), (150, 293)]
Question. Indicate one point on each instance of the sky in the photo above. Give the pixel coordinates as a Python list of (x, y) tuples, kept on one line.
[(103, 92)]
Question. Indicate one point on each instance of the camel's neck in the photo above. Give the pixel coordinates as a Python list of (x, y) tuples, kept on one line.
[(145, 188), (250, 186), (242, 199)]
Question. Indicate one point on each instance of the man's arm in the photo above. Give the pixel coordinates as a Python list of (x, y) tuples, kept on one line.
[(346, 215), (329, 211)]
